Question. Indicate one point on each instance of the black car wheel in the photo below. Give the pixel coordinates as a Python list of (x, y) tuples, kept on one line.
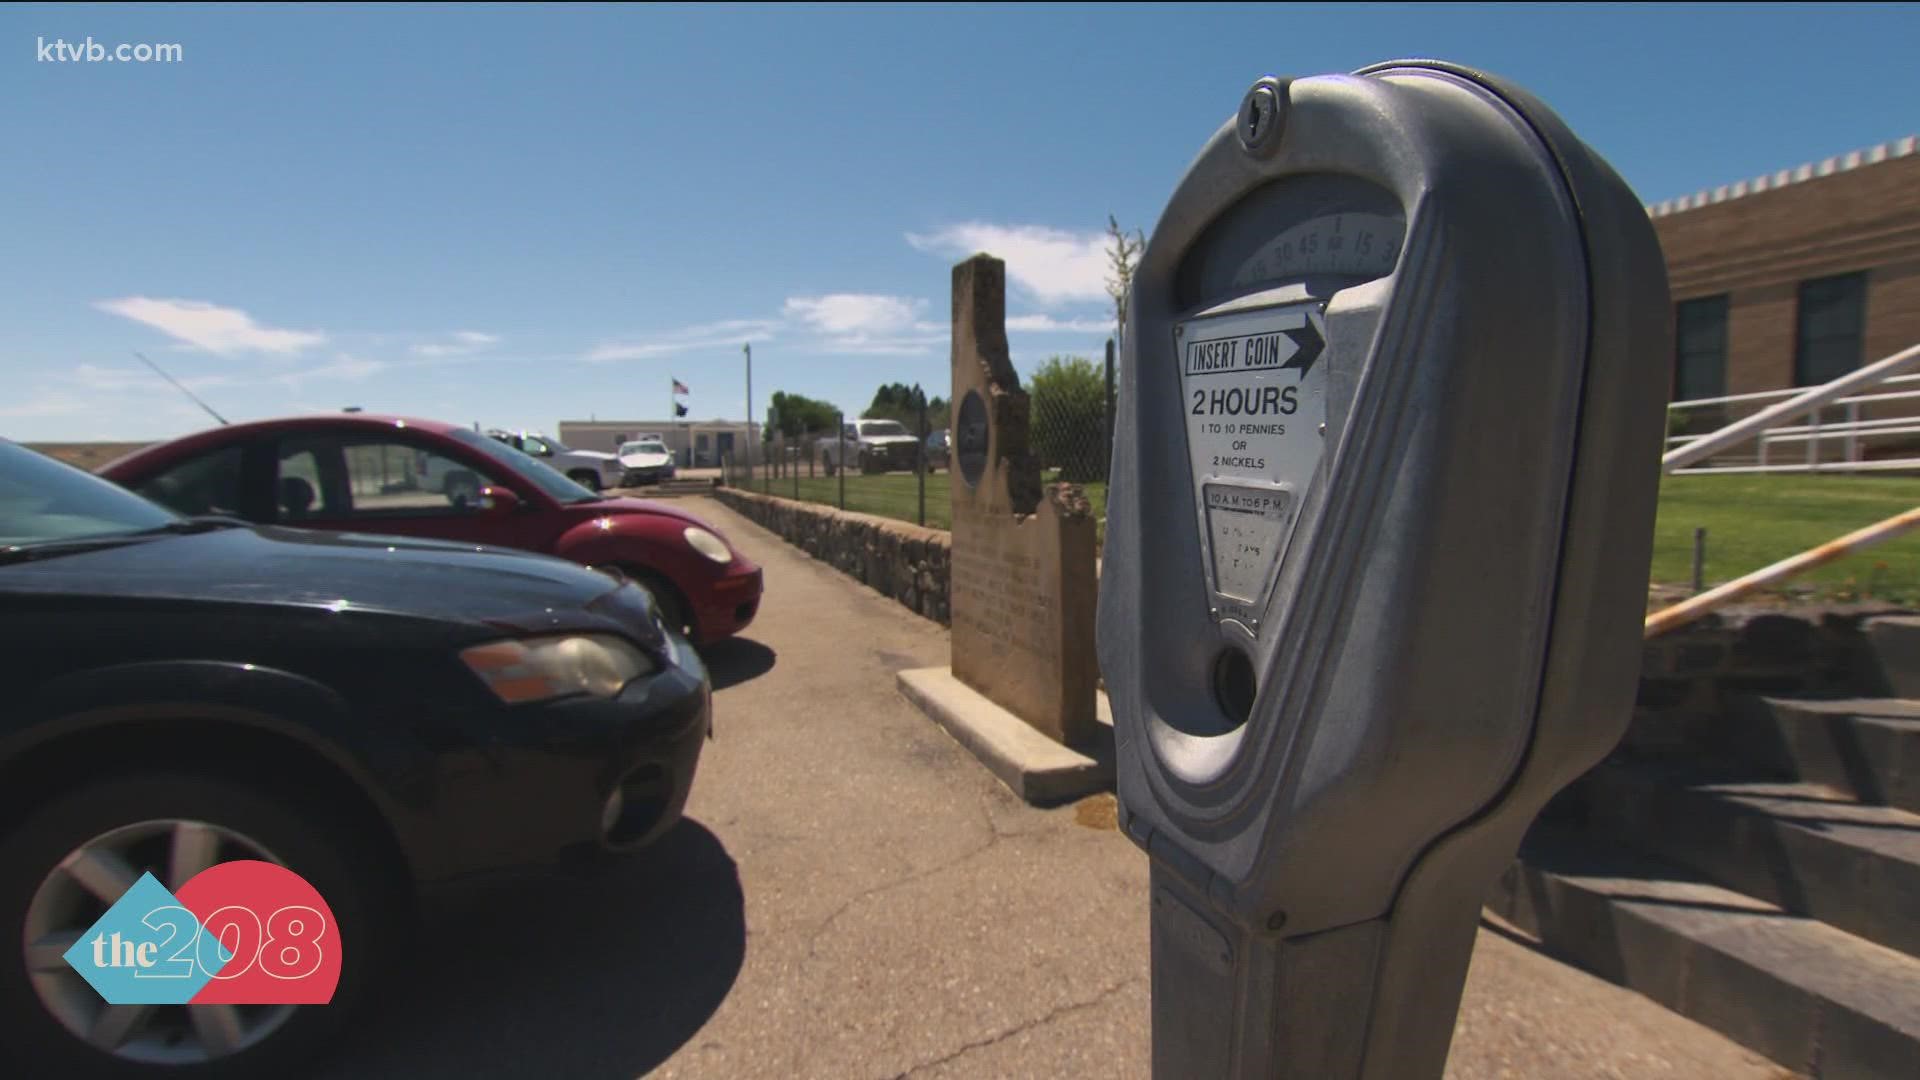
[(73, 858), (666, 598), (585, 479)]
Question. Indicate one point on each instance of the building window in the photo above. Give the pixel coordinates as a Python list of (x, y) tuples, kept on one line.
[(1700, 349), (1833, 317)]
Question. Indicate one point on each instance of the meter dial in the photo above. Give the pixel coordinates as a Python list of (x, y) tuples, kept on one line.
[(1357, 244), (1327, 231)]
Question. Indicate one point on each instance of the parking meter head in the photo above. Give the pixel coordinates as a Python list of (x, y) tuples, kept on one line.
[(1385, 460)]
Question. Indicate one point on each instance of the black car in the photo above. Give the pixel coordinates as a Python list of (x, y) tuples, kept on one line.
[(380, 715)]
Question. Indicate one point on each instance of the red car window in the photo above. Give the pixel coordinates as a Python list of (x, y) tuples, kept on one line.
[(206, 484), (336, 477)]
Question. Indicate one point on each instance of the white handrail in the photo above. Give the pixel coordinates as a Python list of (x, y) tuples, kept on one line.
[(1780, 435), (1858, 427), (1767, 395), (1850, 429), (1814, 397)]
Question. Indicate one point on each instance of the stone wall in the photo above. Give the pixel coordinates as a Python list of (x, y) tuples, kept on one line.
[(897, 559), (1689, 677)]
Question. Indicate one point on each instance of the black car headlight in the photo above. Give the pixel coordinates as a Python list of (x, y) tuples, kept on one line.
[(537, 669)]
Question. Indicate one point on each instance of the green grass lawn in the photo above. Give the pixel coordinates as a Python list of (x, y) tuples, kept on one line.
[(1751, 521), (895, 495)]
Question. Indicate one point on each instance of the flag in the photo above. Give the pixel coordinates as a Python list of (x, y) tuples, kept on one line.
[(680, 387), (679, 409)]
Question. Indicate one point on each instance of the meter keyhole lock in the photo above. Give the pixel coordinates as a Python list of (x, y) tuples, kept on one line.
[(1262, 115)]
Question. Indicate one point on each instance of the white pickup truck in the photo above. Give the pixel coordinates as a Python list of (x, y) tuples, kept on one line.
[(591, 469), (872, 446)]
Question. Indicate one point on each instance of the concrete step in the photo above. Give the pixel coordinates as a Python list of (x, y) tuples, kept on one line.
[(1867, 747), (1805, 848), (1811, 997), (1893, 647)]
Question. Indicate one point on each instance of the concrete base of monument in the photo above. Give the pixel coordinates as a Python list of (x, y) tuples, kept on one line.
[(1038, 769)]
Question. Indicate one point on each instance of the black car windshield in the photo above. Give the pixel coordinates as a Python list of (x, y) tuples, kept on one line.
[(44, 501), (537, 472), (882, 427)]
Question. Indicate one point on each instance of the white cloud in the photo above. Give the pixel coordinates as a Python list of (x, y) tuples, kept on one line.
[(463, 343), (864, 324), (342, 367), (840, 314), (910, 345), (115, 380), (1047, 324), (206, 326), (730, 333), (846, 324), (1055, 265), (58, 403)]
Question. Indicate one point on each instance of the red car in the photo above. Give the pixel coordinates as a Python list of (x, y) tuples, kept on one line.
[(389, 474)]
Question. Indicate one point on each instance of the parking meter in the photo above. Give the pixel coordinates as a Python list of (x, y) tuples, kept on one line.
[(1390, 414)]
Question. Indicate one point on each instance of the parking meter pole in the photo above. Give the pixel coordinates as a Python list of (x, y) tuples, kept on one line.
[(1390, 405), (840, 461), (921, 451), (1250, 1003)]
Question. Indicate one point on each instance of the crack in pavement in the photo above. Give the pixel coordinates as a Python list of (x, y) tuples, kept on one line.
[(803, 1051), (813, 939), (1057, 1013)]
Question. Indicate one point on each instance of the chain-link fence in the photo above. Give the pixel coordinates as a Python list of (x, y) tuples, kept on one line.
[(897, 468), (1070, 421), (883, 467)]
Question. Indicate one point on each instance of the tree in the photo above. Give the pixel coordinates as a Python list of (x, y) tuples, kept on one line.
[(1123, 257), (1069, 409), (797, 416), (898, 401)]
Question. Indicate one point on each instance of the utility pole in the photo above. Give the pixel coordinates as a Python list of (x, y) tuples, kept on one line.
[(748, 349)]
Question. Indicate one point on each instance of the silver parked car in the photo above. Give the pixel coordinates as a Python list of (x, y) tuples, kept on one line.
[(872, 446)]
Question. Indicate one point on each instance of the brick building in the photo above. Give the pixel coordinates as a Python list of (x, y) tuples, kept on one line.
[(1795, 278)]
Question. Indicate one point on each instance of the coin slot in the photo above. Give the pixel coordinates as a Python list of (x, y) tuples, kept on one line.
[(1234, 685)]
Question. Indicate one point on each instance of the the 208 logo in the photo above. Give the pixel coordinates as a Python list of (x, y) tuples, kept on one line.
[(239, 933)]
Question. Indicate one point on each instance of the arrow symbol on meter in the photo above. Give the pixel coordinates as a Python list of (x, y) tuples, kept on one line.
[(1307, 344)]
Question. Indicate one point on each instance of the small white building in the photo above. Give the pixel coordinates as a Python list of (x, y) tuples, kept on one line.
[(696, 444)]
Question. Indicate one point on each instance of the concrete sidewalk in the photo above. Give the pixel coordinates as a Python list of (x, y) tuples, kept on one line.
[(855, 896)]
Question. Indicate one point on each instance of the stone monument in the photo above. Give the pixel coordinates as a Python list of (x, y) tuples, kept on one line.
[(1023, 587)]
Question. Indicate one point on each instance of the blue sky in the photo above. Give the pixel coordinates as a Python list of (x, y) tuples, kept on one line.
[(520, 215)]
